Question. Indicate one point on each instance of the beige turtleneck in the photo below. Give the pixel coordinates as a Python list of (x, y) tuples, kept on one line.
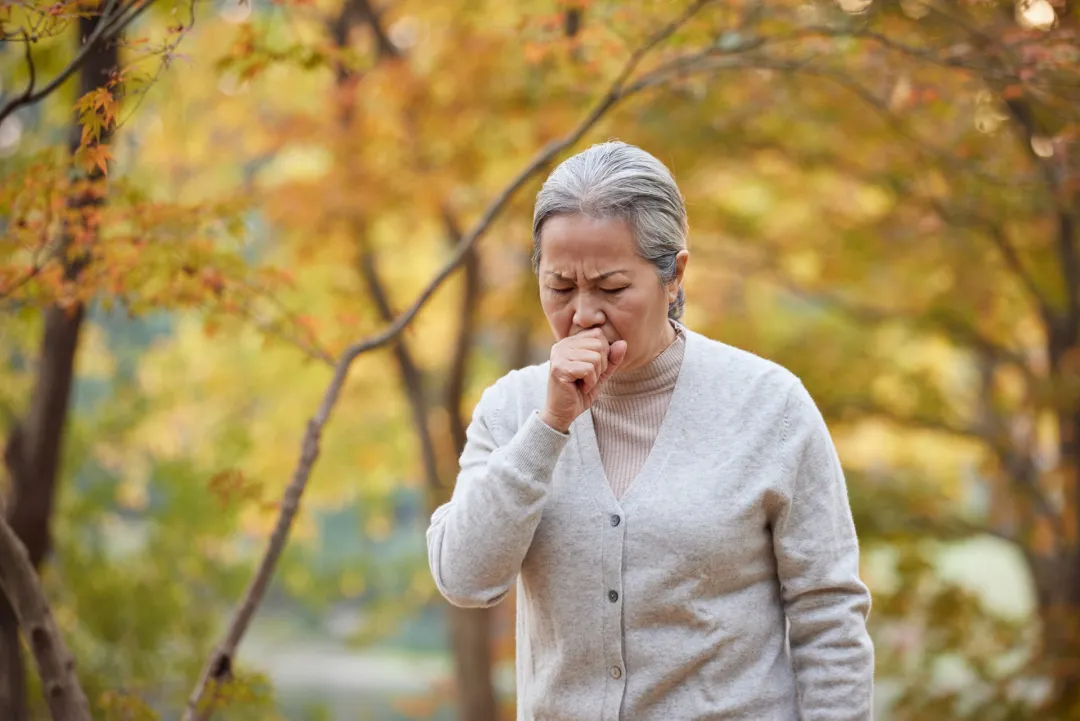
[(628, 413)]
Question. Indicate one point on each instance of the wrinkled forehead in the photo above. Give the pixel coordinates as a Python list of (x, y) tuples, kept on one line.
[(583, 274), (576, 246)]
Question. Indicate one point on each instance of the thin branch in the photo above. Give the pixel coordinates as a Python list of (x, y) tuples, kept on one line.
[(902, 187), (994, 75), (386, 47), (1024, 477), (412, 378), (1015, 460), (36, 266), (28, 92), (470, 299), (1008, 252), (924, 54), (1070, 262), (920, 145), (616, 93), (29, 96), (310, 345), (218, 668), (56, 666), (1024, 120), (311, 348), (120, 21), (9, 290), (871, 314), (166, 52), (30, 68), (715, 60)]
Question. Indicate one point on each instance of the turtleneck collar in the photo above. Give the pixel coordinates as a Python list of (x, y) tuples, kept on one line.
[(656, 376)]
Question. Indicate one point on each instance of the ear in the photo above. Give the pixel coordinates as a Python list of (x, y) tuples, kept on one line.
[(681, 259)]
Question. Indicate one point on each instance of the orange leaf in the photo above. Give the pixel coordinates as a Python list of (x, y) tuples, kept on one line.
[(99, 156)]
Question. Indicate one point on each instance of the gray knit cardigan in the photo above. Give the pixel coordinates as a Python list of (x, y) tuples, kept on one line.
[(725, 583)]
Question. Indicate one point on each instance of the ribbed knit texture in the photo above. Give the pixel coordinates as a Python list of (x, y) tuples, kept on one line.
[(628, 413)]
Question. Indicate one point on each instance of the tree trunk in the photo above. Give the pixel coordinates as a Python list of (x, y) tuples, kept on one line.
[(470, 629), (470, 642), (13, 703), (1059, 612), (1057, 573), (1059, 587), (32, 452)]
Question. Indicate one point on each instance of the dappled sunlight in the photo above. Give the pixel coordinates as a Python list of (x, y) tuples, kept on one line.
[(1036, 14)]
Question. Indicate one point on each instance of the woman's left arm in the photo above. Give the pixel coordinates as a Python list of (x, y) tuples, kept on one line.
[(817, 557)]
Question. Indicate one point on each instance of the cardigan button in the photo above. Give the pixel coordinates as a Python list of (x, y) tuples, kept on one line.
[(613, 596), (616, 672), (615, 520)]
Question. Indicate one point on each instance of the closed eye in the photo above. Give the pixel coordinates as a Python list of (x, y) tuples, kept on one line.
[(560, 291), (614, 291)]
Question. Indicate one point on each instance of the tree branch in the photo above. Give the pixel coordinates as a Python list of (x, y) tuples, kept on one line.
[(714, 60), (470, 299), (1007, 250), (36, 266), (305, 340), (385, 46), (219, 664), (893, 502), (1066, 237), (21, 586), (925, 54), (871, 314), (412, 378), (1012, 259), (29, 68), (29, 96), (902, 187), (1016, 461), (920, 145), (1024, 120)]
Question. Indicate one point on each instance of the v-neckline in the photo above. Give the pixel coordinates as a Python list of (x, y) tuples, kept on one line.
[(589, 447)]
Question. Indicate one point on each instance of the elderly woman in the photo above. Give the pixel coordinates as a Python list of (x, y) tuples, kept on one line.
[(672, 508)]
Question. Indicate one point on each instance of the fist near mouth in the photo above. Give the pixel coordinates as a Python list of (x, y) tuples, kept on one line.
[(579, 366)]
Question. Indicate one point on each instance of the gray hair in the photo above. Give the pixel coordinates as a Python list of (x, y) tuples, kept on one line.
[(620, 181)]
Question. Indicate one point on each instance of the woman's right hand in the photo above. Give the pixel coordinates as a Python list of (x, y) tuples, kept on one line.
[(579, 366)]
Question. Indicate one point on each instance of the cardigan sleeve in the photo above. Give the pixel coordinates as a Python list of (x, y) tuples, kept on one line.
[(478, 540), (817, 555)]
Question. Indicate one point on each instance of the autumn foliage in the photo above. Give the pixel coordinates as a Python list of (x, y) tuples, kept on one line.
[(206, 209)]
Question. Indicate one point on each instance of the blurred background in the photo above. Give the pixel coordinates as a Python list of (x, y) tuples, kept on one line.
[(216, 197)]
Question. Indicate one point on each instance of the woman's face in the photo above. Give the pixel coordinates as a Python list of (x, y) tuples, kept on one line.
[(592, 277)]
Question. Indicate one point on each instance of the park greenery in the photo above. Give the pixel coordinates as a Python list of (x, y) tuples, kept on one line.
[(259, 259)]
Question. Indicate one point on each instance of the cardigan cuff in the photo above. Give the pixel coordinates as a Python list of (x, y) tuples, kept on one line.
[(536, 447)]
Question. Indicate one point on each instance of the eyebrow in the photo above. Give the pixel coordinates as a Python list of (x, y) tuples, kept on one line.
[(603, 276)]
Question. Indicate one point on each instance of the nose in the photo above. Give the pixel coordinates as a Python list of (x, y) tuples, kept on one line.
[(588, 312)]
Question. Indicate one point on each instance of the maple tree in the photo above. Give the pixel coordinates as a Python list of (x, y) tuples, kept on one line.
[(31, 450)]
